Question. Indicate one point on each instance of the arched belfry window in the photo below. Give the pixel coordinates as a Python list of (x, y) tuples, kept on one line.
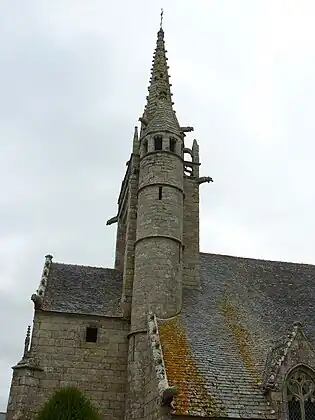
[(300, 393), (172, 144), (158, 142)]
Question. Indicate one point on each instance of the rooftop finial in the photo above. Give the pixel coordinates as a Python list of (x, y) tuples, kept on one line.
[(161, 21)]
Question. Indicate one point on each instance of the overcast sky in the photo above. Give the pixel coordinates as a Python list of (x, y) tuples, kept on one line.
[(73, 79)]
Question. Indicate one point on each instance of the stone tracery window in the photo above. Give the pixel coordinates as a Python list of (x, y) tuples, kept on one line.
[(301, 395)]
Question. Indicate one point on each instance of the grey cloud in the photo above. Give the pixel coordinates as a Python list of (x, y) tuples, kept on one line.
[(73, 78)]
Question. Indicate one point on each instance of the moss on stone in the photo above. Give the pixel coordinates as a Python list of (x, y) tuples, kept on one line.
[(182, 372)]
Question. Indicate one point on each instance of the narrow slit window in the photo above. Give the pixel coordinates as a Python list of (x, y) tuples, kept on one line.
[(133, 346), (160, 193), (145, 147), (158, 143), (172, 144), (91, 335)]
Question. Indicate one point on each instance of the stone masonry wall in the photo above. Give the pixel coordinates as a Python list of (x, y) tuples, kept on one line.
[(98, 369), (158, 260), (161, 167), (130, 235), (24, 391), (138, 355), (152, 408), (160, 217), (191, 234), (158, 248), (120, 243), (157, 285)]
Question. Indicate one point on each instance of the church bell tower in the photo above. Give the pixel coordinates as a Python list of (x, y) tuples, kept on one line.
[(159, 238), (157, 246)]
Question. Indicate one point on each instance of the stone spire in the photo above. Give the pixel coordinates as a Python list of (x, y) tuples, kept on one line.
[(158, 113)]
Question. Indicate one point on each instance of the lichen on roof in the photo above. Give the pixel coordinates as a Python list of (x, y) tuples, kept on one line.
[(241, 337), (182, 372)]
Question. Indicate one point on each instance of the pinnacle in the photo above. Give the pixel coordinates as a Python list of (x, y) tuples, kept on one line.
[(136, 133), (135, 144)]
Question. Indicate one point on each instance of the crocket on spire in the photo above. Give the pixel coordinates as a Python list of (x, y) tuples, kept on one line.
[(158, 112)]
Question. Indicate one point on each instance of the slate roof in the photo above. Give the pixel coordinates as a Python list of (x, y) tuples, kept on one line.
[(215, 350), (2, 416), (83, 290)]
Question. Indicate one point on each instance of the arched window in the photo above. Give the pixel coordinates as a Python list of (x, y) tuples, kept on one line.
[(158, 142), (172, 144), (300, 390)]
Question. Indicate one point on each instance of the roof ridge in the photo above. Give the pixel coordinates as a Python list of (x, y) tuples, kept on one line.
[(86, 266), (256, 259)]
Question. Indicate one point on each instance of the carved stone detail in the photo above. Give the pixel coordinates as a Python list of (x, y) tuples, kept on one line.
[(38, 296), (204, 179), (292, 351), (112, 221), (166, 392)]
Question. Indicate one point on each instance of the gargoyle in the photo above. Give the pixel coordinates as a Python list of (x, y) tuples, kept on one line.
[(203, 179), (112, 220), (187, 129), (37, 300), (168, 395)]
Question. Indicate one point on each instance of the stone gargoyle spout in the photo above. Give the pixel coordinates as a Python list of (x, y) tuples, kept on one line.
[(204, 179), (112, 220)]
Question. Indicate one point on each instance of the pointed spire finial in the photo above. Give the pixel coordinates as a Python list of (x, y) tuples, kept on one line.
[(161, 21)]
